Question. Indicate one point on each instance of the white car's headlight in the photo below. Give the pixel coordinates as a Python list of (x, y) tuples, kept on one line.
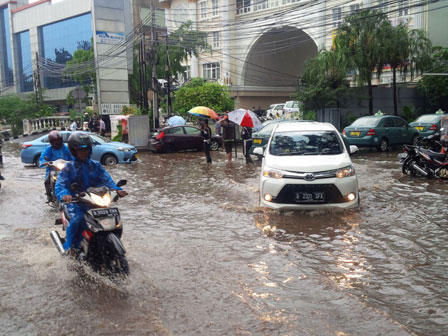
[(346, 171), (273, 173)]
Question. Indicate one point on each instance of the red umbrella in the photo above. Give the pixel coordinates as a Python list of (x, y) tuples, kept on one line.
[(245, 118)]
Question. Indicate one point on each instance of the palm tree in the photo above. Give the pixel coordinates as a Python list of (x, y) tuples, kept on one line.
[(324, 82), (406, 51), (361, 38)]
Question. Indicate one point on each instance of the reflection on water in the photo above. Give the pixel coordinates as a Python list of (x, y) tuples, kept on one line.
[(206, 259)]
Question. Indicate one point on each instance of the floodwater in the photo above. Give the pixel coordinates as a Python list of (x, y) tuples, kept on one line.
[(205, 259)]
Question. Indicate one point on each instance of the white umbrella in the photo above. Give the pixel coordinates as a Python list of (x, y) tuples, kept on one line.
[(176, 121), (245, 118)]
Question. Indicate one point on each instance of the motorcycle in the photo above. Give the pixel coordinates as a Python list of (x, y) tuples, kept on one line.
[(431, 142), (101, 247), (419, 161), (55, 168)]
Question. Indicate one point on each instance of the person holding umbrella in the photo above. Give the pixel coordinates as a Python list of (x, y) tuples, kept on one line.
[(246, 135), (206, 132), (228, 135)]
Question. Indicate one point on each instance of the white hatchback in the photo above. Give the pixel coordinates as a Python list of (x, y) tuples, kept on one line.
[(307, 166)]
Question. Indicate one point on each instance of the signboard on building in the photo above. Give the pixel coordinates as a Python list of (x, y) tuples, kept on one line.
[(112, 108), (109, 38)]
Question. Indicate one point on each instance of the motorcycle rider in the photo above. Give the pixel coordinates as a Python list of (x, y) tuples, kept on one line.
[(86, 173), (57, 150)]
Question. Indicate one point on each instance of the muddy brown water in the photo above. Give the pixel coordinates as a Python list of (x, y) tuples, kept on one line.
[(207, 260)]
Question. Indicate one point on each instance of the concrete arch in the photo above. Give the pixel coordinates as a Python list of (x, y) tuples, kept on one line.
[(277, 57)]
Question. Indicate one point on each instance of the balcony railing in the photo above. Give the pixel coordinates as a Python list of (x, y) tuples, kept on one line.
[(38, 125)]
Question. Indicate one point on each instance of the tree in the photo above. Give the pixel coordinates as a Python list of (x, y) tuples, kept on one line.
[(201, 93), (435, 87), (404, 50), (180, 45), (361, 37), (13, 109), (324, 82)]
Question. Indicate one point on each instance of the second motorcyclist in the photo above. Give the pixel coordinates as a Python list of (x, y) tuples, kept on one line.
[(85, 173), (57, 150)]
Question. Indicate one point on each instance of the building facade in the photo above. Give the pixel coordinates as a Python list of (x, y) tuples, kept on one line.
[(260, 47), (37, 38)]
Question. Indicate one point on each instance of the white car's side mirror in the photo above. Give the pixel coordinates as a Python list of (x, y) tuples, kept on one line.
[(353, 149), (259, 151)]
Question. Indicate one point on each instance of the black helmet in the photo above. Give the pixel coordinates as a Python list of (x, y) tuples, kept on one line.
[(55, 139), (79, 140)]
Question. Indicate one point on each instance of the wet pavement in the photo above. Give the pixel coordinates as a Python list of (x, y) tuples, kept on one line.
[(205, 259)]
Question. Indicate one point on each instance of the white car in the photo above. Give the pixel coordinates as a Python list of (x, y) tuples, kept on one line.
[(275, 111), (307, 166), (291, 110)]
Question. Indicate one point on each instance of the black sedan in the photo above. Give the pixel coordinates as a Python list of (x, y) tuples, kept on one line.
[(181, 138)]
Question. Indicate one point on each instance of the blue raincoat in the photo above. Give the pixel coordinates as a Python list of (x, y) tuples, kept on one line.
[(87, 174), (53, 154)]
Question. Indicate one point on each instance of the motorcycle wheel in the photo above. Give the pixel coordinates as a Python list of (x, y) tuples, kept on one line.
[(407, 168), (118, 265)]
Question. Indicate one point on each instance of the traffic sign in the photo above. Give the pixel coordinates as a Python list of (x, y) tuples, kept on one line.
[(78, 93)]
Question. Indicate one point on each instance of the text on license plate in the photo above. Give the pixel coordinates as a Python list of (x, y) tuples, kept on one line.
[(357, 133), (109, 212), (257, 141), (419, 128), (310, 197)]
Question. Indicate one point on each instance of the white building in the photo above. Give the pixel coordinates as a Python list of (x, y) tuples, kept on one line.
[(260, 46)]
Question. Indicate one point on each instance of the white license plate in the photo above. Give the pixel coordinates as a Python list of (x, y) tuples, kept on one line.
[(310, 197)]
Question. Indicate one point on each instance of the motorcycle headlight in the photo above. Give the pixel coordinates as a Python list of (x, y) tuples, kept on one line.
[(60, 165), (273, 173), (346, 171), (101, 201)]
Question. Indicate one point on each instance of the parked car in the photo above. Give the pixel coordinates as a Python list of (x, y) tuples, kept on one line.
[(291, 109), (380, 132), (306, 166), (274, 111), (104, 150), (427, 124), (181, 138)]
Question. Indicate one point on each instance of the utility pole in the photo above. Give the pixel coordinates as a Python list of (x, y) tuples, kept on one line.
[(37, 84), (168, 75), (155, 98)]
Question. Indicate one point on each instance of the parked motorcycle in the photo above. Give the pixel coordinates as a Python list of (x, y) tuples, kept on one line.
[(55, 168), (431, 142), (419, 161), (101, 247)]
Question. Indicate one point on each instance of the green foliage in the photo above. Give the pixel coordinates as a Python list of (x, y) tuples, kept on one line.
[(310, 115), (409, 113), (435, 87), (201, 93), (13, 109)]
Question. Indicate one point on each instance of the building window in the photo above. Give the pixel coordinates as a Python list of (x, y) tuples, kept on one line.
[(287, 2), (242, 6), (261, 4), (5, 33), (354, 8), (203, 9), (25, 64), (337, 17), (211, 70), (215, 40), (187, 73), (403, 8), (383, 5), (59, 41), (215, 7)]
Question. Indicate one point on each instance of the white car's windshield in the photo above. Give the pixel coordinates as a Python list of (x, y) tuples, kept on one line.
[(305, 143)]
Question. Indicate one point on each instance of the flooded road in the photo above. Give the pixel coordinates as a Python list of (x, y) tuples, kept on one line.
[(205, 259)]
